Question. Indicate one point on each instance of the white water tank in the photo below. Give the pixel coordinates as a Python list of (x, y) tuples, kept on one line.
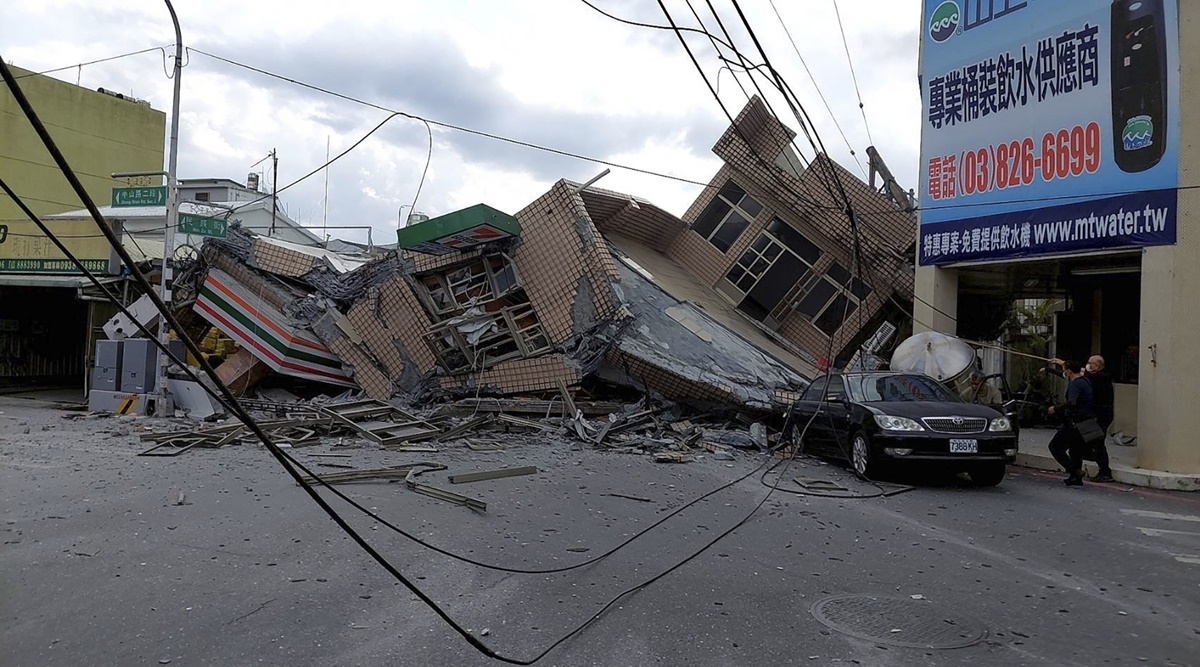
[(937, 355)]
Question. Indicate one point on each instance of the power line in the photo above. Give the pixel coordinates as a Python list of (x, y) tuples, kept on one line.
[(428, 158), (654, 26), (163, 49), (820, 93), (853, 75), (451, 126), (286, 461)]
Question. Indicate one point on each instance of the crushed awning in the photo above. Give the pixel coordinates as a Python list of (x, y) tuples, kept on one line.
[(266, 332)]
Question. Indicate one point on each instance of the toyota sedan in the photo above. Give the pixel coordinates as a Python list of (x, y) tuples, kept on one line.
[(873, 420)]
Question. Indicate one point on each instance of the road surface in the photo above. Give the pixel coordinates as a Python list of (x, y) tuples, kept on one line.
[(101, 565)]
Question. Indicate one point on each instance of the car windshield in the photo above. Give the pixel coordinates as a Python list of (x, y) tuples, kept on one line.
[(897, 388)]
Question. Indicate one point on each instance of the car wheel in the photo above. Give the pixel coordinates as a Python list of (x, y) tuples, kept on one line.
[(860, 456), (990, 474)]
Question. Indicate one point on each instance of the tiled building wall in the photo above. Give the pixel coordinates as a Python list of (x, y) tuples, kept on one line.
[(407, 322), (519, 376), (365, 317), (374, 382), (281, 261), (806, 204), (646, 224), (668, 383), (559, 245)]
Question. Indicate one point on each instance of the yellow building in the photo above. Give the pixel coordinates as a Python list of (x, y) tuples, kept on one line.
[(47, 315)]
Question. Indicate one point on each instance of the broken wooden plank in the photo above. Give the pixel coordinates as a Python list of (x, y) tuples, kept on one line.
[(465, 427), (411, 448), (397, 472), (410, 480), (672, 457), (532, 407), (492, 474), (526, 423), (569, 409)]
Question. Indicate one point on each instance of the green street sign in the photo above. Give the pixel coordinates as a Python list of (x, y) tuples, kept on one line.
[(202, 226), (148, 196)]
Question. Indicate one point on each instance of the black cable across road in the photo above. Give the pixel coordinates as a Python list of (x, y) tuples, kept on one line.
[(287, 462)]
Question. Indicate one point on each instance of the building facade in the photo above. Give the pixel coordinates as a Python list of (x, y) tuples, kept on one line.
[(1101, 213), (48, 313), (98, 132)]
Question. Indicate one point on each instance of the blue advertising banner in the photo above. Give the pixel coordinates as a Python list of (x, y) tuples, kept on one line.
[(1049, 127)]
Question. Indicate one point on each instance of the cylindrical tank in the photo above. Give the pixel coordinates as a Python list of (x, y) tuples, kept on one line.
[(937, 355)]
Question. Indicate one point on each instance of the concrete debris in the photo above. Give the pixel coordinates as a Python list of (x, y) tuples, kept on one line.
[(493, 321)]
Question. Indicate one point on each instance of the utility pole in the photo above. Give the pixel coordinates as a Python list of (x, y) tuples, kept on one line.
[(274, 190), (164, 334)]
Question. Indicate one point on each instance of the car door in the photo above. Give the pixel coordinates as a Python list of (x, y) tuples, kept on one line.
[(807, 418), (826, 395), (835, 413)]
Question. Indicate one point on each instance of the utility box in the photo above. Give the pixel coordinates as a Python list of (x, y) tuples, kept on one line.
[(106, 373), (105, 379), (121, 326), (139, 366)]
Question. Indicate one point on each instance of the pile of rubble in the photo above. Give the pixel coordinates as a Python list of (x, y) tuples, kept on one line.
[(538, 304)]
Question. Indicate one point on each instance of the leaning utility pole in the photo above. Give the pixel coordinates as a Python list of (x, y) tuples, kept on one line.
[(164, 333)]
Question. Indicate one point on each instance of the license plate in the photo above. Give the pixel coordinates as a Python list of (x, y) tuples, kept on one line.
[(964, 446)]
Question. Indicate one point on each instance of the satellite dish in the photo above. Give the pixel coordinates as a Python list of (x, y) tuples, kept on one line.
[(937, 355)]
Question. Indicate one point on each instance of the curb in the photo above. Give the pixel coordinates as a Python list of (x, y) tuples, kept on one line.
[(1152, 479)]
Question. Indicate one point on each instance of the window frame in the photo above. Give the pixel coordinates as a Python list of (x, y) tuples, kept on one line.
[(855, 292), (726, 285), (733, 207)]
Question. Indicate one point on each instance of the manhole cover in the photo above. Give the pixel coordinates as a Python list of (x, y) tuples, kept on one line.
[(898, 622)]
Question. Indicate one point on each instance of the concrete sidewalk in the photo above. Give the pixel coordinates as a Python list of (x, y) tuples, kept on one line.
[(1035, 453)]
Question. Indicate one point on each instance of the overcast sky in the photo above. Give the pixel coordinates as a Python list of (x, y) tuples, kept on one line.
[(548, 72)]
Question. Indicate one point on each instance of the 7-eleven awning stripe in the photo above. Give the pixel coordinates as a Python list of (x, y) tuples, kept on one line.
[(265, 332)]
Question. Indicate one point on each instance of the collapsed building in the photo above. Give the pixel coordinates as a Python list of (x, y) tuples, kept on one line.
[(733, 305)]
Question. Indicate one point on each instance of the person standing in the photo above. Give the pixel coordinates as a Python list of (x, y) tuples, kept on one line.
[(1067, 446), (1103, 395)]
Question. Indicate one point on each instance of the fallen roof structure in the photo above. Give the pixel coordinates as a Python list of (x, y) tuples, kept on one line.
[(734, 306)]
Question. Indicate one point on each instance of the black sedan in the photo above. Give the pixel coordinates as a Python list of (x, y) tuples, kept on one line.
[(872, 420)]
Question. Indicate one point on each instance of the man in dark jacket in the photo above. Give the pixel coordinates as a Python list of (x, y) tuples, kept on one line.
[(1067, 446), (1102, 392)]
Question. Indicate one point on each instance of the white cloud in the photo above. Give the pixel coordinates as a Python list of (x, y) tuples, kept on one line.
[(550, 71)]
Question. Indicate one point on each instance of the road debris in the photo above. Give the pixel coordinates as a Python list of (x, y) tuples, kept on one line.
[(492, 474)]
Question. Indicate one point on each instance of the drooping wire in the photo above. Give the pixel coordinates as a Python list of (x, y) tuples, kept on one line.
[(853, 74), (97, 61), (285, 460), (428, 158), (713, 40), (451, 126), (820, 93)]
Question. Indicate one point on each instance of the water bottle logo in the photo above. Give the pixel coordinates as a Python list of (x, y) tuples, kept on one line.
[(1138, 133)]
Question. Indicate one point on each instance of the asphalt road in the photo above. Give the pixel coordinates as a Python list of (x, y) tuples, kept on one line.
[(99, 565)]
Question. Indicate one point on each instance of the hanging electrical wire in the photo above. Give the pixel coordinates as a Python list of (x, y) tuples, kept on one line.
[(853, 74), (820, 93)]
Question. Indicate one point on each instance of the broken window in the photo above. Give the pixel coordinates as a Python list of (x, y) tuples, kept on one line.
[(452, 290), (484, 316), (479, 339), (770, 269), (727, 216), (829, 300)]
